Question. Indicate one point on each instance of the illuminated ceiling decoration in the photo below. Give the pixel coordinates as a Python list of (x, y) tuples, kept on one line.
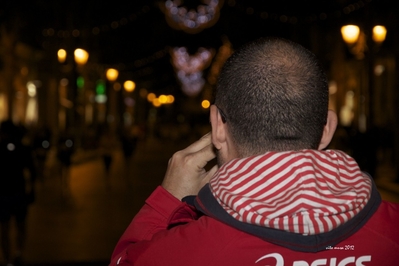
[(192, 21), (189, 68), (211, 9)]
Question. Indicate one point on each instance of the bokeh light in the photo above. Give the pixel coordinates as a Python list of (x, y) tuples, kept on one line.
[(205, 104), (129, 85), (81, 56), (171, 99), (151, 96), (350, 33), (156, 102), (379, 33), (112, 74), (62, 54), (163, 99)]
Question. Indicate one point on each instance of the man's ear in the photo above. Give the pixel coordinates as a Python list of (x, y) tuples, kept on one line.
[(329, 129), (218, 128)]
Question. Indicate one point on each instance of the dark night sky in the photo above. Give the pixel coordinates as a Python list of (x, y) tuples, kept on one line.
[(142, 30)]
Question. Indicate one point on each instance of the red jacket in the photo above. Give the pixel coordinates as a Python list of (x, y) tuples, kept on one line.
[(167, 231), (207, 241)]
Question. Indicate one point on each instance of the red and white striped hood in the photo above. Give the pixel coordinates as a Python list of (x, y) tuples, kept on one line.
[(306, 192)]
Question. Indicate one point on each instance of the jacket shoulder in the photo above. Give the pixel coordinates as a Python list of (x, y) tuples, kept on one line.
[(384, 222)]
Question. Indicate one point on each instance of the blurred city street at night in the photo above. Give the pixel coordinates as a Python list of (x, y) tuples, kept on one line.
[(135, 80)]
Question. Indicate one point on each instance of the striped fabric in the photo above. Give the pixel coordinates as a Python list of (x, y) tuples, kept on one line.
[(306, 192)]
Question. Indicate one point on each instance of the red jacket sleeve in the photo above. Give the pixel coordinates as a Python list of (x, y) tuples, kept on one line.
[(161, 211)]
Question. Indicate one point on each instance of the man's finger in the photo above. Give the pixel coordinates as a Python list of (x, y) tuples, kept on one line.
[(199, 144), (205, 155)]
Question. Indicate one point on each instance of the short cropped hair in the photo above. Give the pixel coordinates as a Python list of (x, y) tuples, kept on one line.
[(274, 94)]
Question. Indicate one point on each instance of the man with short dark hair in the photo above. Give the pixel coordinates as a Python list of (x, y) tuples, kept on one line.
[(276, 196)]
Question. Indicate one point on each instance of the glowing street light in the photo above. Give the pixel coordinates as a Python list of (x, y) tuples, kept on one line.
[(62, 54), (151, 96), (171, 99), (163, 99), (358, 43), (112, 74), (156, 102), (350, 33), (205, 104), (379, 33), (81, 56), (129, 85)]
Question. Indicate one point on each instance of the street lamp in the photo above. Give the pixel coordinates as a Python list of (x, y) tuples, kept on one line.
[(379, 33), (129, 85), (128, 114), (62, 54), (356, 39), (73, 110), (81, 56), (112, 107), (111, 74), (357, 43), (350, 33), (82, 109)]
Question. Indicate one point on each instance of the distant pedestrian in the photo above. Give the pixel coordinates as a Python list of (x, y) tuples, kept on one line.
[(129, 139), (65, 151), (15, 192), (107, 146), (41, 147)]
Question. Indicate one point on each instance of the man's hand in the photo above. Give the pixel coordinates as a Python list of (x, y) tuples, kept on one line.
[(186, 173)]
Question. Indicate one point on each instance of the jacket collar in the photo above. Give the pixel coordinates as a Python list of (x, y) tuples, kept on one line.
[(303, 200)]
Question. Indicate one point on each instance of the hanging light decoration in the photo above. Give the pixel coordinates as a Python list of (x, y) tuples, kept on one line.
[(189, 68), (192, 21)]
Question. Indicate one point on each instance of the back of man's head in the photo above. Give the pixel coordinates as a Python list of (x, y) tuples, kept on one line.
[(274, 94)]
